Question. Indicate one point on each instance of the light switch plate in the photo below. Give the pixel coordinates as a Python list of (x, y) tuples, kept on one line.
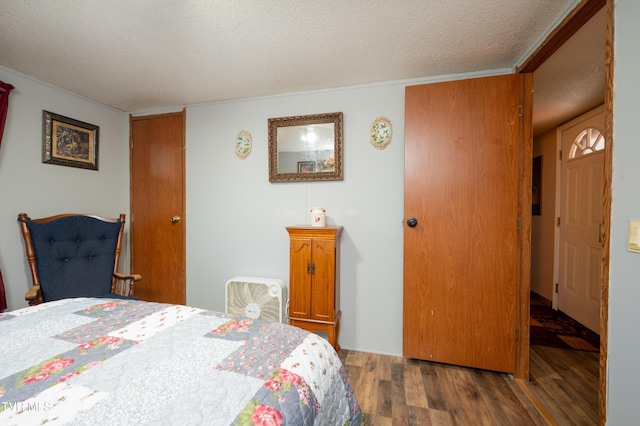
[(633, 242)]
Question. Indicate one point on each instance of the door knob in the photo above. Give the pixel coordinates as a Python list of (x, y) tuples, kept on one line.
[(175, 219), (412, 222)]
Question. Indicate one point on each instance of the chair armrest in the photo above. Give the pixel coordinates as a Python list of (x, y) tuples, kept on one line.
[(133, 277), (34, 295), (124, 283)]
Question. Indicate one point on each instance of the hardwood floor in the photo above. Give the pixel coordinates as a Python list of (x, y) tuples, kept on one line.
[(562, 390)]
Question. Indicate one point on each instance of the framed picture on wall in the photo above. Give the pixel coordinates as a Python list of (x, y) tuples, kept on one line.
[(69, 142), (306, 166), (536, 186)]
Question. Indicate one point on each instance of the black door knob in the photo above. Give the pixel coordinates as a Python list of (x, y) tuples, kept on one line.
[(412, 222)]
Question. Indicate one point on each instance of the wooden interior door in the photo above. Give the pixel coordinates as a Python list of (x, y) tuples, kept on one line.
[(464, 162), (157, 206), (580, 247)]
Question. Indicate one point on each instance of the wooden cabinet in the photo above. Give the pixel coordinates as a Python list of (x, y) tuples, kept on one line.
[(314, 279)]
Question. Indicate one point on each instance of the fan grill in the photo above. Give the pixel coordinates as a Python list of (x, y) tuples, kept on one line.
[(255, 300)]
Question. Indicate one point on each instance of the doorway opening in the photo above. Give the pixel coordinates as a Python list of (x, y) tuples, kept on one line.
[(590, 16)]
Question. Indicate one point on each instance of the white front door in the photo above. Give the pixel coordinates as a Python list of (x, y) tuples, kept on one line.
[(582, 174)]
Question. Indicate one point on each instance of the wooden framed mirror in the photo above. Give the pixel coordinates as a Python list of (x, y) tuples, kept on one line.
[(305, 148)]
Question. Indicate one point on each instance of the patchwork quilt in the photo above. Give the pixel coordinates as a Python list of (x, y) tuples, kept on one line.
[(93, 361)]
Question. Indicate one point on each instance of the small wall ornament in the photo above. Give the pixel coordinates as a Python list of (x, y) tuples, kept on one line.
[(243, 144), (380, 132)]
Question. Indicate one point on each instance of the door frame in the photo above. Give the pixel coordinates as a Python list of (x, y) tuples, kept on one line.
[(582, 13)]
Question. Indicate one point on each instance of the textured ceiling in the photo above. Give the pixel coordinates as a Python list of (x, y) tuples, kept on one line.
[(572, 80), (152, 54)]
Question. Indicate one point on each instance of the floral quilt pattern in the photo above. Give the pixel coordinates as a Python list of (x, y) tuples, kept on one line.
[(303, 381)]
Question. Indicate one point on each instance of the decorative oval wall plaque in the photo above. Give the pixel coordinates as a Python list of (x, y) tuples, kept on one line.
[(380, 132), (243, 144)]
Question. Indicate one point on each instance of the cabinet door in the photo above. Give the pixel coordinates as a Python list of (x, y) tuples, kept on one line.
[(300, 278), (323, 273)]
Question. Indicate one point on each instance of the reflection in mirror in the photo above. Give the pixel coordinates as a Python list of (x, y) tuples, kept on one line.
[(308, 148), (305, 148)]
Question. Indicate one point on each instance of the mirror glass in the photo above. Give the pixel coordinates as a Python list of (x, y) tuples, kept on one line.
[(305, 148)]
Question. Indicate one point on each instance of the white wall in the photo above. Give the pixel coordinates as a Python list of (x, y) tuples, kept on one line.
[(543, 225), (624, 291), (236, 218), (38, 189)]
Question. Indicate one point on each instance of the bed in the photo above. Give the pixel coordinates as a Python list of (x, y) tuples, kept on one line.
[(123, 362)]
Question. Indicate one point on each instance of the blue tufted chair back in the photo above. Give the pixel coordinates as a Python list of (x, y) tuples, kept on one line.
[(75, 255)]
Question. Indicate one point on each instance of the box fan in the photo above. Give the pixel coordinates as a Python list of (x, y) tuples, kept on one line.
[(263, 298)]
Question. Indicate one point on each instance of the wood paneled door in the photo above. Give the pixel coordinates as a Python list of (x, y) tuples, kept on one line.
[(467, 214), (158, 206)]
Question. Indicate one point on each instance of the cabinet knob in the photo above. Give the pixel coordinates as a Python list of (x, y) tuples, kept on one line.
[(412, 222)]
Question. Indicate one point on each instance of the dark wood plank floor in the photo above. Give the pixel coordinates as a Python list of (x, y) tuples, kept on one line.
[(562, 390)]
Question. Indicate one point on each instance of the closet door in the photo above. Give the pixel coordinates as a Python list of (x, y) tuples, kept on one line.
[(158, 250), (466, 150)]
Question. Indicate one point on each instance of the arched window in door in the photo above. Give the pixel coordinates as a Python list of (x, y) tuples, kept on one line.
[(589, 141)]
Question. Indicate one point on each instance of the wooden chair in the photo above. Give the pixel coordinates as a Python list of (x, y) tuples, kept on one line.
[(75, 255)]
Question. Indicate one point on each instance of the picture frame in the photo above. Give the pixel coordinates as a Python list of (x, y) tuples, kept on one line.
[(306, 166), (69, 142)]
